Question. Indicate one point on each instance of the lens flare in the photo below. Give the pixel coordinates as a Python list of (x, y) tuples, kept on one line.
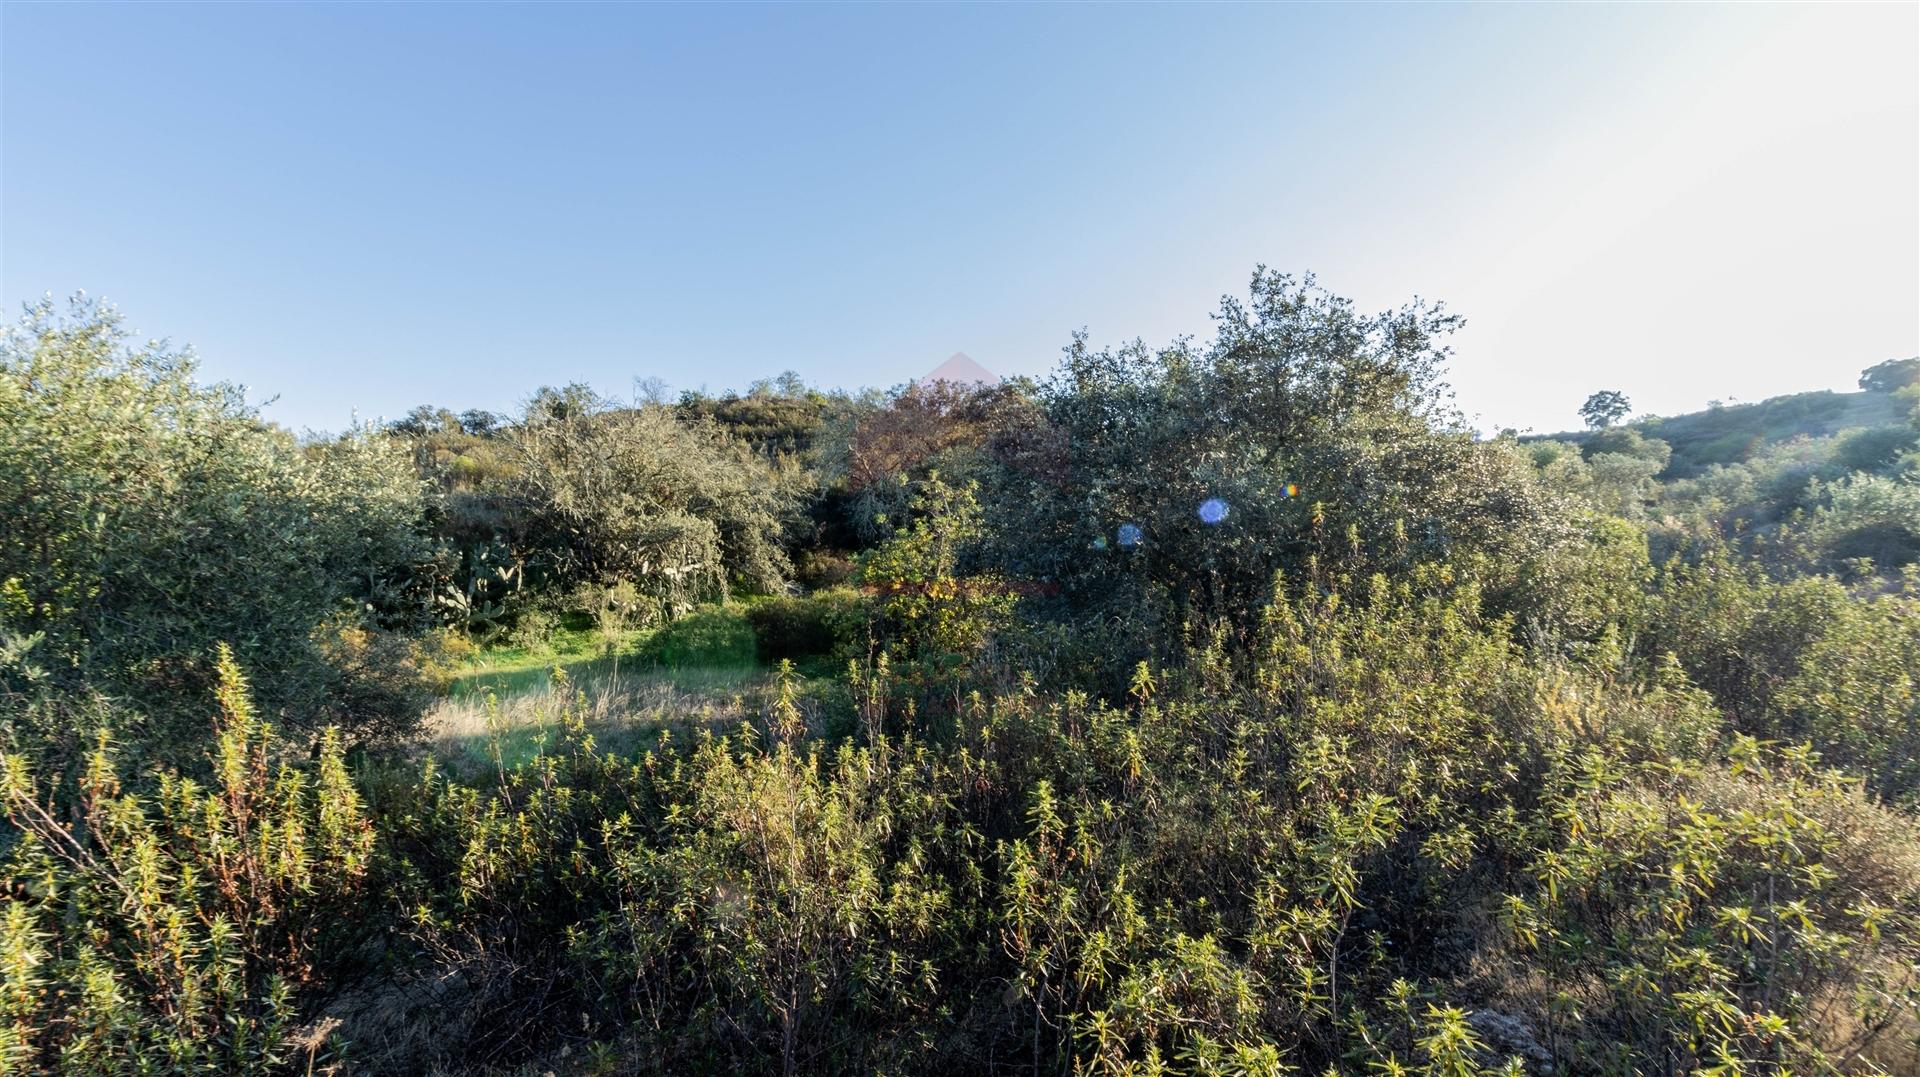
[(1212, 511), (1292, 490), (1129, 535)]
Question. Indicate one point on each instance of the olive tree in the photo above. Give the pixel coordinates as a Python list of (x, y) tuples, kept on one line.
[(150, 518), (684, 512), (1306, 438)]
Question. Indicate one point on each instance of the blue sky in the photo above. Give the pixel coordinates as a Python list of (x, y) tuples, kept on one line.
[(370, 207)]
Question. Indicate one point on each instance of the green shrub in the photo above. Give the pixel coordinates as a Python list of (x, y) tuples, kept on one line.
[(171, 930), (679, 509), (1802, 660), (1732, 447), (1737, 633), (710, 636), (1866, 516), (1758, 916), (821, 625), (820, 569), (532, 631), (1319, 846), (149, 519), (1856, 693), (934, 617), (1393, 764), (1626, 441), (1875, 448)]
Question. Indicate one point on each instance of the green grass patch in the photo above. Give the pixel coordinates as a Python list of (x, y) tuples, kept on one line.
[(510, 669), (477, 734), (715, 638)]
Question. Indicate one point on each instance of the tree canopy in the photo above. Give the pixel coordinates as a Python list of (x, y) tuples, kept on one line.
[(151, 519), (1605, 408)]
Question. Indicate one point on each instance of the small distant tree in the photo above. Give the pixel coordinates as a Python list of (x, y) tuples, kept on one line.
[(1604, 408), (424, 420)]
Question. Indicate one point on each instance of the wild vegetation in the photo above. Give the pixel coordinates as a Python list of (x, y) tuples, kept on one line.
[(1229, 707)]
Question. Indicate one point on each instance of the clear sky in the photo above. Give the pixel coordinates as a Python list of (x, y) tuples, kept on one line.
[(370, 207)]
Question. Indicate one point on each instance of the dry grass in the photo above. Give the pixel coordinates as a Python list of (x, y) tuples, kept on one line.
[(473, 735)]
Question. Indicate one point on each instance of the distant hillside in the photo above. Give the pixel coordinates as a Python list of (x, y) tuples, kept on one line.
[(1736, 433)]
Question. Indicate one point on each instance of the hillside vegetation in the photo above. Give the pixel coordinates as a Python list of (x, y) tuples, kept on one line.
[(1730, 434), (1815, 481), (1227, 707)]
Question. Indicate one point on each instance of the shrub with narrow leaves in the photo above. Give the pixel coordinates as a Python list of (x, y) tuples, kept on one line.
[(172, 928)]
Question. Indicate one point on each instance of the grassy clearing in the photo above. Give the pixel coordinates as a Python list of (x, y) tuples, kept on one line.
[(515, 671), (576, 648), (505, 704), (715, 638), (482, 732)]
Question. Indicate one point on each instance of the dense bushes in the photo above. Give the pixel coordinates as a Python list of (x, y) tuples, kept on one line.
[(1754, 916), (148, 519), (1167, 486), (1222, 709), (173, 927), (1384, 835), (151, 519), (605, 493), (545, 516), (1875, 448), (1802, 661), (1866, 517), (826, 624)]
